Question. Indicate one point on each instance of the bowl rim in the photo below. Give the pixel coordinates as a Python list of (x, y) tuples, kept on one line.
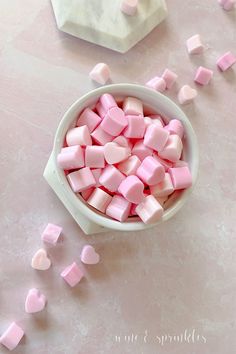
[(87, 211)]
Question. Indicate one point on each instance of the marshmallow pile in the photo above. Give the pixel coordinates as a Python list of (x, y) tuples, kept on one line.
[(122, 162)]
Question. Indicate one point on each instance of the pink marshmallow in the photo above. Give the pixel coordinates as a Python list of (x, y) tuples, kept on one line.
[(89, 118), (100, 73), (175, 127), (72, 274), (99, 200), (227, 4), (155, 137), (166, 164), (150, 210), (181, 177), (12, 336), (115, 153), (136, 127), (111, 178), (78, 136), (89, 255), (226, 61), (119, 208), (51, 233), (180, 163), (164, 188), (100, 110), (94, 156), (107, 101), (170, 78), (114, 121), (186, 94), (129, 7), (100, 136), (151, 171), (173, 149), (141, 151), (155, 118), (157, 83), (132, 189), (203, 76), (130, 166), (133, 106), (35, 301), (71, 157), (81, 179), (194, 45), (96, 174), (86, 193), (123, 141)]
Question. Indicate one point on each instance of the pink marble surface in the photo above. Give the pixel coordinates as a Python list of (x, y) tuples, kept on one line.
[(179, 276)]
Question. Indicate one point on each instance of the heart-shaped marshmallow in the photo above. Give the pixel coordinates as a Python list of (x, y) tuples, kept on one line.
[(151, 171), (132, 189), (115, 153), (35, 301), (186, 94), (89, 255), (40, 260)]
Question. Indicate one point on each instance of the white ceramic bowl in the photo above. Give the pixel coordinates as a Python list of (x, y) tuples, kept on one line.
[(155, 102)]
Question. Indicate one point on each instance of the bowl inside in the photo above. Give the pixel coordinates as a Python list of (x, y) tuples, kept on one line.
[(154, 102)]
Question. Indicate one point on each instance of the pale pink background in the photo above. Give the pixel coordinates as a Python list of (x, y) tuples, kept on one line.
[(180, 275)]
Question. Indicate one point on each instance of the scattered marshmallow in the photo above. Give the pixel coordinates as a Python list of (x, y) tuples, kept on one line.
[(51, 233), (40, 260), (35, 301), (203, 76), (12, 336), (170, 78), (157, 83), (89, 255), (226, 61), (194, 45), (186, 94), (227, 5), (72, 274), (100, 73), (129, 7)]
